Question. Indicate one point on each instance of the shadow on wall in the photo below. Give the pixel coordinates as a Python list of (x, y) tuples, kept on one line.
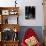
[(37, 29)]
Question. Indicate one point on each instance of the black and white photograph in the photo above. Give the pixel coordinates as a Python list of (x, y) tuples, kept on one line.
[(29, 12)]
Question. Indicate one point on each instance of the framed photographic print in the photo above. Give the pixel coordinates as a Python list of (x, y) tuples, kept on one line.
[(29, 12), (5, 12), (13, 12)]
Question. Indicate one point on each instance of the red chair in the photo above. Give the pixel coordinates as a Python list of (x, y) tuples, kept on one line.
[(29, 33)]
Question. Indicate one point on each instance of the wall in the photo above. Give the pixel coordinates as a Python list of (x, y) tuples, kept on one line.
[(37, 30), (38, 21)]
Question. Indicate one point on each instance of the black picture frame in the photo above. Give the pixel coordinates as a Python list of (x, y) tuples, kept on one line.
[(29, 12)]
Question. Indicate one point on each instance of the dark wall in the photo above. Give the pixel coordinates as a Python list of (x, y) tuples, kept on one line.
[(37, 29)]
